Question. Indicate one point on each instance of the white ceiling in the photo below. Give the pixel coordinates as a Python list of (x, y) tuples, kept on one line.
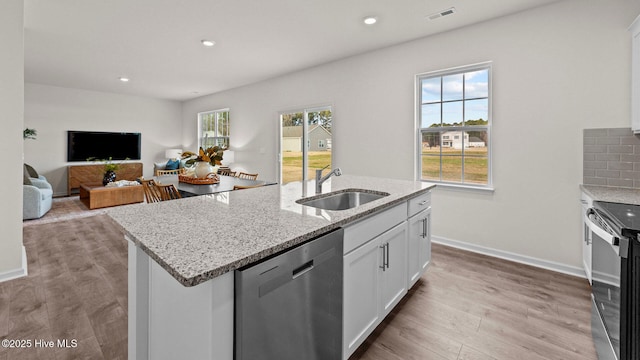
[(89, 44)]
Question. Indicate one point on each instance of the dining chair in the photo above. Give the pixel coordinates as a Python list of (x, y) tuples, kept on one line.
[(241, 187), (167, 192), (151, 194), (242, 175), (225, 171)]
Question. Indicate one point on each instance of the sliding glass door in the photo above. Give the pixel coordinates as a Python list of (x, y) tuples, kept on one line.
[(305, 143)]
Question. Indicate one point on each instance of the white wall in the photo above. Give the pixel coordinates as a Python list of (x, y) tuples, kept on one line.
[(557, 69), (54, 110), (11, 103)]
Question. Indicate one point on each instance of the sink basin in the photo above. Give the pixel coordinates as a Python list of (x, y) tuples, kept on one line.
[(342, 200)]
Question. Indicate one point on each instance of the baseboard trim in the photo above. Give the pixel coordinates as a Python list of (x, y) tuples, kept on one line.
[(16, 273), (527, 260)]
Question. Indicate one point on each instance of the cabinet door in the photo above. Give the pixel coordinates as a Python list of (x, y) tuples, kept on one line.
[(419, 246), (415, 236), (425, 244), (361, 294), (586, 251), (393, 267), (585, 203)]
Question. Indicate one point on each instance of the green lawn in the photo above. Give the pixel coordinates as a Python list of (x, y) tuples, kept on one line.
[(475, 165), (292, 165)]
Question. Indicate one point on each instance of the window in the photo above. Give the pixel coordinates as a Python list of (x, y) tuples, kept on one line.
[(213, 128), (311, 126), (454, 126)]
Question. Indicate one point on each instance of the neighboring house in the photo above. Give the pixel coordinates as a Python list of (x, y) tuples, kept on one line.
[(453, 139), (319, 138), (456, 139), (476, 142)]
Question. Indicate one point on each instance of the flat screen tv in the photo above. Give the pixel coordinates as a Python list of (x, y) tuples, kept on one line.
[(82, 145)]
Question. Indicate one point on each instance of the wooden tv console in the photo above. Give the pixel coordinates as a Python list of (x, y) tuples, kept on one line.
[(94, 173)]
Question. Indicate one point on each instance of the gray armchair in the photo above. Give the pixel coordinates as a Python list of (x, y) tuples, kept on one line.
[(37, 196)]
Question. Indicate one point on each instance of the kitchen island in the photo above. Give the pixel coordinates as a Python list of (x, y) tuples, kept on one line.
[(182, 255)]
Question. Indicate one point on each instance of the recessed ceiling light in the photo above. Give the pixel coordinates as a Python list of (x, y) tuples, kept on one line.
[(124, 79), (370, 20), (208, 43)]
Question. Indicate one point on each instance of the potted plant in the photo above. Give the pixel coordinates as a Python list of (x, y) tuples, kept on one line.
[(29, 134), (110, 169), (206, 161)]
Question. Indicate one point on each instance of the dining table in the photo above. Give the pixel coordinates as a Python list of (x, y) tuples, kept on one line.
[(226, 183)]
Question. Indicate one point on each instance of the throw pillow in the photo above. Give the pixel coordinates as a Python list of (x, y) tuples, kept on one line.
[(25, 176), (172, 164), (31, 171)]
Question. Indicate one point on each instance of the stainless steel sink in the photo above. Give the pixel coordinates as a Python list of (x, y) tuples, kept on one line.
[(342, 200)]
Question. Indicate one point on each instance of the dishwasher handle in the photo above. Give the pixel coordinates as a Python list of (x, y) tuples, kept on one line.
[(302, 269)]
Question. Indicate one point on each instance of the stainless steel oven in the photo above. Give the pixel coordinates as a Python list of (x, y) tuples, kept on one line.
[(611, 286)]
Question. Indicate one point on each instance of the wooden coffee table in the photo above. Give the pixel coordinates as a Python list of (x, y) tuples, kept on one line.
[(96, 196)]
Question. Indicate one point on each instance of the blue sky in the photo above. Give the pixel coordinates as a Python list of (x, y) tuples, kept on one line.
[(475, 85)]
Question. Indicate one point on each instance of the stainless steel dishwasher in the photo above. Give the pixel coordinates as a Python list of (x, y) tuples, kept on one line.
[(290, 306)]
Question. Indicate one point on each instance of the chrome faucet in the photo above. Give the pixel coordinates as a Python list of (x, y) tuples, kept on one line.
[(320, 179)]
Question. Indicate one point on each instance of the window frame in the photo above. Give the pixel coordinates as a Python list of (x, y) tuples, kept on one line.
[(305, 130), (419, 130), (217, 136)]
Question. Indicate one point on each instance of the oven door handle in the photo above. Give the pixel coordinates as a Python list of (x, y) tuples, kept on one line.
[(593, 227)]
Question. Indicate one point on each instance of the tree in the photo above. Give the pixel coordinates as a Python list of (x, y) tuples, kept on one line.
[(294, 119), (433, 139), (323, 118)]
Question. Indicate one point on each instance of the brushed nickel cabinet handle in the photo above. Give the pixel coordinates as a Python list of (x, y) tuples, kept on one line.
[(387, 262)]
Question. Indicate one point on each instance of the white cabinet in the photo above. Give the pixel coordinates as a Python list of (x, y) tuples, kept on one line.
[(419, 247), (384, 255), (585, 203), (393, 267), (361, 300), (170, 321), (374, 282), (635, 75), (375, 273)]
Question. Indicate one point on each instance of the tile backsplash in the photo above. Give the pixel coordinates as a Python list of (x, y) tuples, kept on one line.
[(611, 158)]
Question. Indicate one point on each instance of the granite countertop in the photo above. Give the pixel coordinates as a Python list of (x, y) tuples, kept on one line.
[(199, 238), (612, 194)]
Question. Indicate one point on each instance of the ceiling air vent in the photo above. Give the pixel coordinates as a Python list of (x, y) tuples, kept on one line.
[(441, 14)]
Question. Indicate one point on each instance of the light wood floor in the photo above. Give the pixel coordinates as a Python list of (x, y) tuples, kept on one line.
[(466, 307), (473, 307), (76, 289)]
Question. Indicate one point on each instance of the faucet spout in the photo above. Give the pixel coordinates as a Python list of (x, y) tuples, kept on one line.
[(320, 179)]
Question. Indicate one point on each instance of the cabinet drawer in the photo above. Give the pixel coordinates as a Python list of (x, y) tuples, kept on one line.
[(372, 226), (419, 203)]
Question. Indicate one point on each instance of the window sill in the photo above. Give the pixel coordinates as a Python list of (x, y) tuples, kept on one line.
[(449, 186)]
